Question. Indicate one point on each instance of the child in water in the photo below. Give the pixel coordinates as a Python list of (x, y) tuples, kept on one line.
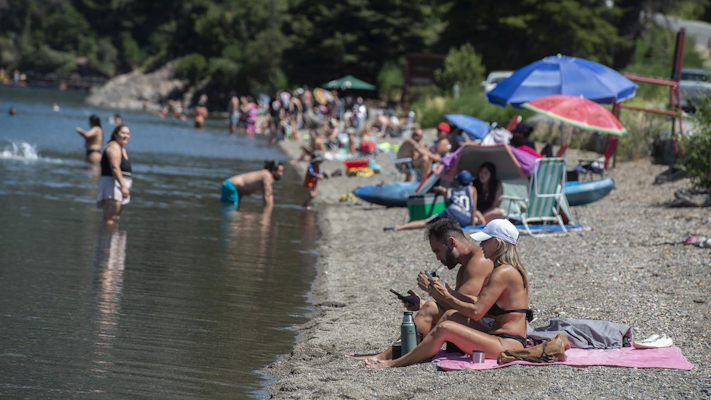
[(313, 174)]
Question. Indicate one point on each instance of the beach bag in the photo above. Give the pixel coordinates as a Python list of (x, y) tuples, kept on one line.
[(546, 352)]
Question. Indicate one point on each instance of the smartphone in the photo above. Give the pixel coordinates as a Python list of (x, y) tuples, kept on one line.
[(401, 297), (429, 276)]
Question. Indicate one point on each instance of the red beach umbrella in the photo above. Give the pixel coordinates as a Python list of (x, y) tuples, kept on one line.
[(577, 111)]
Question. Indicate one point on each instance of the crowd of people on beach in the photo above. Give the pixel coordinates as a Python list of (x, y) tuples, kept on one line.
[(486, 310), (16, 78)]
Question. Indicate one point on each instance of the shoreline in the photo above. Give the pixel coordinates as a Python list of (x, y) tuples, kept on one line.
[(630, 269)]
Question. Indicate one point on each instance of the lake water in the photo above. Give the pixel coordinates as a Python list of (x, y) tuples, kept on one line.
[(183, 300)]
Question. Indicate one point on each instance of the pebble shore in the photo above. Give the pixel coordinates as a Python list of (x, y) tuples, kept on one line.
[(632, 268)]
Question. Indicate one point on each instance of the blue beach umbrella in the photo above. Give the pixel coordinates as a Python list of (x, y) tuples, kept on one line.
[(562, 75), (473, 127)]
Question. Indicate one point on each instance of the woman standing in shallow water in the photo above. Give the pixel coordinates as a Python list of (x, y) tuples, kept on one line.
[(115, 181), (504, 298), (94, 139)]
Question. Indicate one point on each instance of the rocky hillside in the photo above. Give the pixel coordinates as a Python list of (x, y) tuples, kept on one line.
[(130, 91)]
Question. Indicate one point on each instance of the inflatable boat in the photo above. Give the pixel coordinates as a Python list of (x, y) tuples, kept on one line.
[(395, 194), (586, 192)]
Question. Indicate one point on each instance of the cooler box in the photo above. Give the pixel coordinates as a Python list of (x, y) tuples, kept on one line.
[(422, 206), (356, 163)]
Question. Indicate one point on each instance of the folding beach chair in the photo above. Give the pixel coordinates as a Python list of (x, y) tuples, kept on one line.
[(588, 168), (545, 196), (403, 166)]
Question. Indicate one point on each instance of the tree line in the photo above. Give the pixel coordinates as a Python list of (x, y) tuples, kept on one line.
[(253, 46)]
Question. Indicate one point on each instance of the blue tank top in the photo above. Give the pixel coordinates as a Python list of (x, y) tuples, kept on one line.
[(460, 205)]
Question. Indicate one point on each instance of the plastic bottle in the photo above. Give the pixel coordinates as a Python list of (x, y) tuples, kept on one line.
[(408, 333)]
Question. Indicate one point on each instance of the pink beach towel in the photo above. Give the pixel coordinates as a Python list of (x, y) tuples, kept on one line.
[(667, 357)]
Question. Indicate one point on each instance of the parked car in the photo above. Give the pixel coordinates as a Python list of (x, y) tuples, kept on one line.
[(695, 88), (494, 78)]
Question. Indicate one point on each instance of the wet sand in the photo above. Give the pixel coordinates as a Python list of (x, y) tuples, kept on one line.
[(630, 269)]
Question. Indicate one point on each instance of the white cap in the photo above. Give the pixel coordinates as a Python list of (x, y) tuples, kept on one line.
[(498, 228)]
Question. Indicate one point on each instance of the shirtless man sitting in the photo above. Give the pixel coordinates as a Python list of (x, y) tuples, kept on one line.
[(234, 188), (421, 157), (451, 248)]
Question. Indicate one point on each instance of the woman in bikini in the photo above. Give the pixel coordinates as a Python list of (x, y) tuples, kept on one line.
[(115, 182), (503, 298), (93, 139)]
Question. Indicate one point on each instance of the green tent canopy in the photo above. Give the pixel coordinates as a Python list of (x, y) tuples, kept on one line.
[(348, 82)]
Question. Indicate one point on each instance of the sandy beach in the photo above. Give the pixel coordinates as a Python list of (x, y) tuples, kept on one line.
[(632, 268)]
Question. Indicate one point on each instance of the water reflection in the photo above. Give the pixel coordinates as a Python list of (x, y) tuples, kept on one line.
[(249, 233), (109, 260)]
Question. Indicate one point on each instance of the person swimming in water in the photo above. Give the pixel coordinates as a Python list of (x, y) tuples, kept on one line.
[(93, 139)]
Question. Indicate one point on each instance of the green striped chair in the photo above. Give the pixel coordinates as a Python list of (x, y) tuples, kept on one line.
[(545, 196)]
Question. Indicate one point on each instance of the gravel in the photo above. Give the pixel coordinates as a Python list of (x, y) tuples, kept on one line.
[(632, 268)]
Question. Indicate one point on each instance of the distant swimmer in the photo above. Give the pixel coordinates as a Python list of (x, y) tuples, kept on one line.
[(115, 182), (12, 111), (116, 119), (201, 112), (55, 107), (238, 186), (94, 139), (233, 110)]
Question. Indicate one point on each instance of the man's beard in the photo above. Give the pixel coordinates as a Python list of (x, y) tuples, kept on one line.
[(450, 261)]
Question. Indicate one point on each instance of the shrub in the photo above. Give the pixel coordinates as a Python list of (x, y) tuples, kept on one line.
[(191, 67), (697, 161), (46, 60), (463, 67), (390, 80), (431, 110), (224, 72)]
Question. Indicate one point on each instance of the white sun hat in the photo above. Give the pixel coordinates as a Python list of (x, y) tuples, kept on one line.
[(498, 228)]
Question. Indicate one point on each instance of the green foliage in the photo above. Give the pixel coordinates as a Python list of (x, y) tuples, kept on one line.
[(224, 72), (9, 54), (66, 29), (431, 110), (512, 33), (642, 129), (191, 67), (45, 60), (132, 54), (461, 67), (698, 149), (333, 38), (654, 55), (254, 46), (689, 9), (391, 79), (103, 56)]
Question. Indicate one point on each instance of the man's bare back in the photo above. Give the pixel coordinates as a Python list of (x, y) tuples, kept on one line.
[(252, 182)]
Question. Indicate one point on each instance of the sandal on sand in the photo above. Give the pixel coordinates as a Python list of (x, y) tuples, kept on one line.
[(691, 240), (654, 342)]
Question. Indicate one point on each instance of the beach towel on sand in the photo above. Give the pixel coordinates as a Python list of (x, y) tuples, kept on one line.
[(667, 357), (584, 333)]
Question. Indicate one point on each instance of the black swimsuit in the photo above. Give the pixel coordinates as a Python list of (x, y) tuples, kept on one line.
[(495, 310), (106, 167)]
